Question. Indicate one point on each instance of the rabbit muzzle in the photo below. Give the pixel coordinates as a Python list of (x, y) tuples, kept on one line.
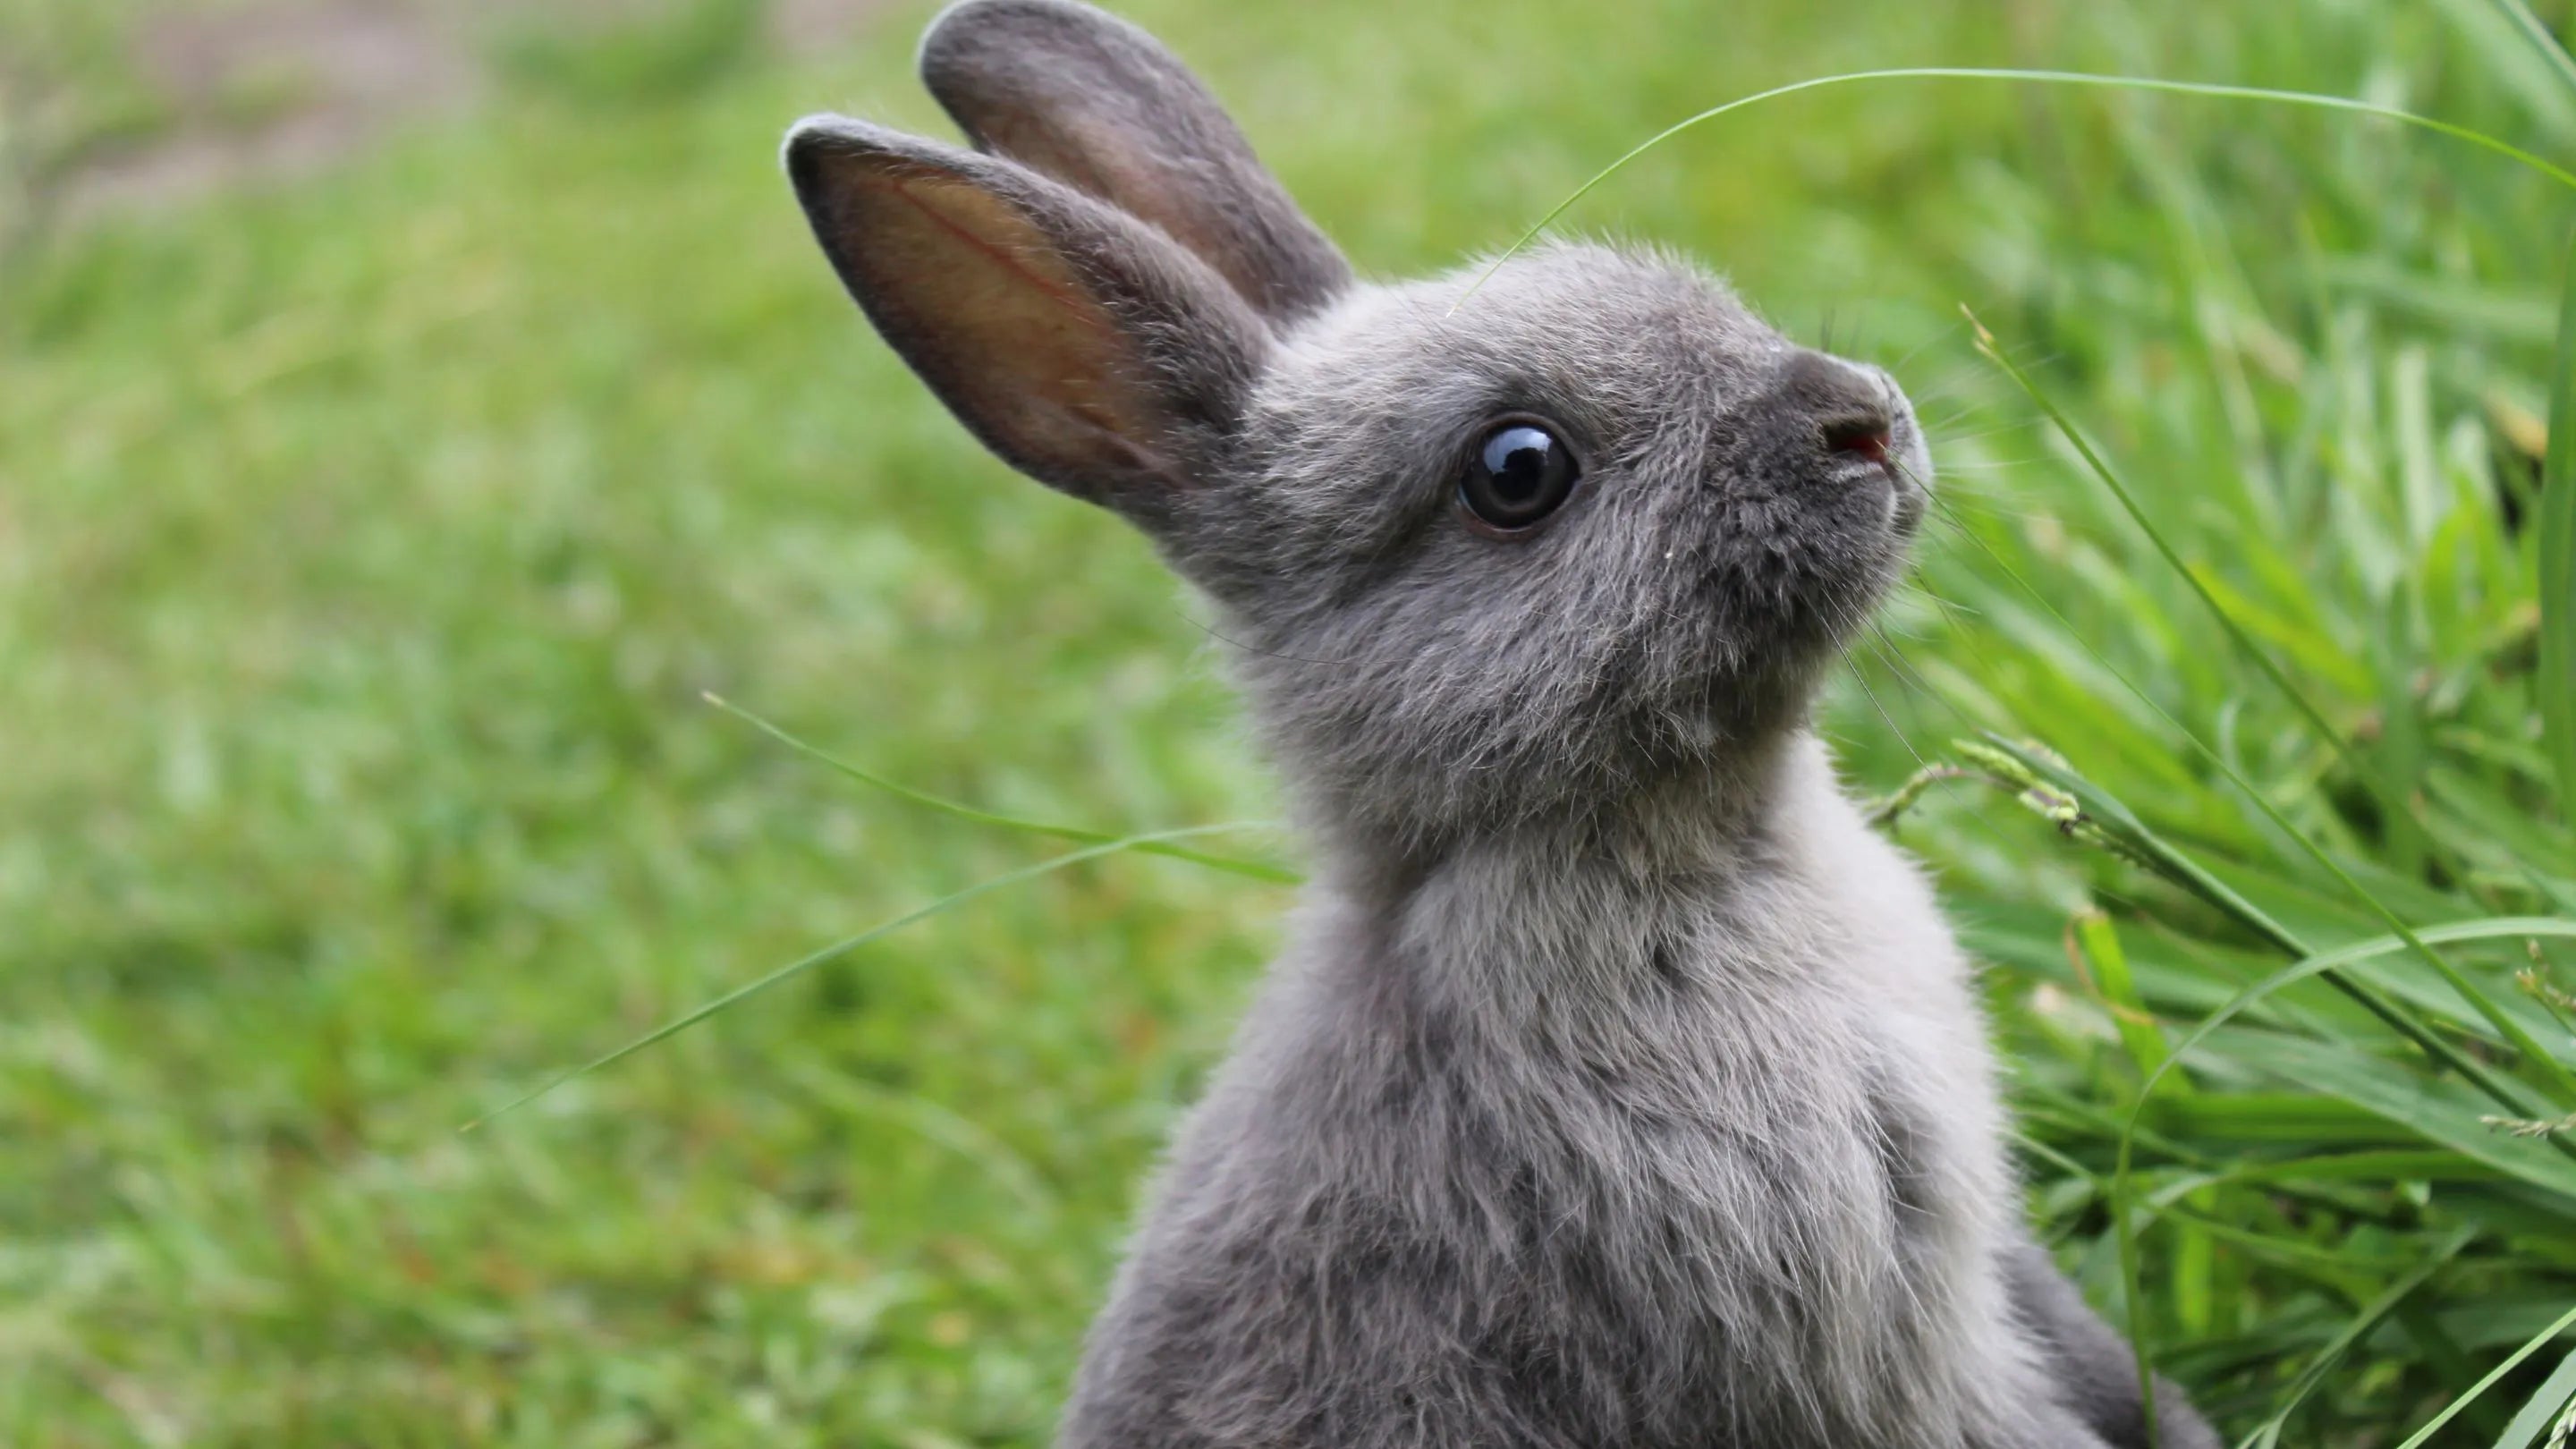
[(1852, 426)]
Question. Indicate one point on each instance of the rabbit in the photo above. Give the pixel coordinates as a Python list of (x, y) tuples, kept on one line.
[(1617, 1085)]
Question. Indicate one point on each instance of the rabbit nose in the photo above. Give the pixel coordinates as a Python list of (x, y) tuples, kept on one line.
[(1849, 406)]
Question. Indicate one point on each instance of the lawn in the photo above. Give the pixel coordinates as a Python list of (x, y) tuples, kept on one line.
[(369, 535)]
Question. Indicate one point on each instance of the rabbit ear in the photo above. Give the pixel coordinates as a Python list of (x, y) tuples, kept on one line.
[(1101, 106), (1084, 348)]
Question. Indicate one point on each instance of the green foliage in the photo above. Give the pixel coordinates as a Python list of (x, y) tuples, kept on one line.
[(366, 545), (67, 94), (669, 51), (2555, 539)]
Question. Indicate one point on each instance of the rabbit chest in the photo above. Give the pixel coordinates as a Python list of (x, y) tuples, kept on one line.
[(1686, 1150)]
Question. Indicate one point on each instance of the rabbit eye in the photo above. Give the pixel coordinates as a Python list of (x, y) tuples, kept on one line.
[(1518, 474)]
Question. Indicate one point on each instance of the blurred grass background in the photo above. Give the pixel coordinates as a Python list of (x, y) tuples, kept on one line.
[(405, 412)]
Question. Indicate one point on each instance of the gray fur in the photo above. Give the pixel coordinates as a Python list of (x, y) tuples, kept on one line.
[(1618, 1086), (1093, 102)]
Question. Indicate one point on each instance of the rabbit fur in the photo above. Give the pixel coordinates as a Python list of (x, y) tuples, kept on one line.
[(1618, 1086)]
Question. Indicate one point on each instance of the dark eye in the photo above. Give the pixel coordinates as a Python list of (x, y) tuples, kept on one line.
[(1519, 473)]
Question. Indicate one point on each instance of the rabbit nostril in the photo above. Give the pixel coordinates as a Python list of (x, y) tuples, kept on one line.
[(1867, 436), (1846, 404)]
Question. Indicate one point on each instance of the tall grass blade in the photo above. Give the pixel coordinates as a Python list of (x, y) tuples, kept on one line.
[(2556, 1395), (2492, 928), (2556, 677), (2353, 1332), (2502, 928), (2513, 1361), (2439, 1111), (2308, 99), (1252, 869), (2542, 1060), (933, 1123), (2508, 928), (2116, 826), (2542, 39), (848, 944), (2099, 940)]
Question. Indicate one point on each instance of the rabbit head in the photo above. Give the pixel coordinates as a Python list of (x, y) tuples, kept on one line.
[(1545, 543)]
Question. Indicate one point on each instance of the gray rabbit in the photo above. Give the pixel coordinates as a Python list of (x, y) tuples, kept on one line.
[(1619, 1087)]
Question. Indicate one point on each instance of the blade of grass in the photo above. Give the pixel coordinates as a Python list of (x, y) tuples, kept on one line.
[(2542, 1407), (2122, 1183), (2027, 77), (848, 944), (2556, 676), (2449, 1362), (2541, 38), (2560, 1075), (2187, 873), (2132, 1275), (1252, 869), (2354, 1331), (933, 1123), (2390, 1165), (2095, 942), (2435, 1110), (2086, 812), (2513, 1361), (2119, 827)]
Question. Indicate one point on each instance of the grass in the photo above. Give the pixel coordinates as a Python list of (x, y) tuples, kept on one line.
[(366, 545)]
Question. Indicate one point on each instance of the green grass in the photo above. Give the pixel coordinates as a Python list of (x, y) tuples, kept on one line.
[(366, 545)]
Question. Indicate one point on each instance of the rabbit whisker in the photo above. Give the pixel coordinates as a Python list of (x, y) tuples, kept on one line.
[(1213, 632)]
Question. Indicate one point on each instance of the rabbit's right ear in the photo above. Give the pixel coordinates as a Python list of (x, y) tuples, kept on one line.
[(1090, 100), (1082, 346)]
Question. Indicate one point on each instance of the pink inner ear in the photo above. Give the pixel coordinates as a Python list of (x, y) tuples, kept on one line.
[(1043, 147), (993, 309), (1001, 257)]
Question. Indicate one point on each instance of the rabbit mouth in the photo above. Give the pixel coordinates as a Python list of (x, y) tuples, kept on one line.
[(1884, 484), (1851, 427), (1905, 461), (1892, 456), (1880, 463)]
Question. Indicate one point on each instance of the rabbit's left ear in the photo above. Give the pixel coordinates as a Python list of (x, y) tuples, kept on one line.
[(1083, 346), (1091, 101)]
